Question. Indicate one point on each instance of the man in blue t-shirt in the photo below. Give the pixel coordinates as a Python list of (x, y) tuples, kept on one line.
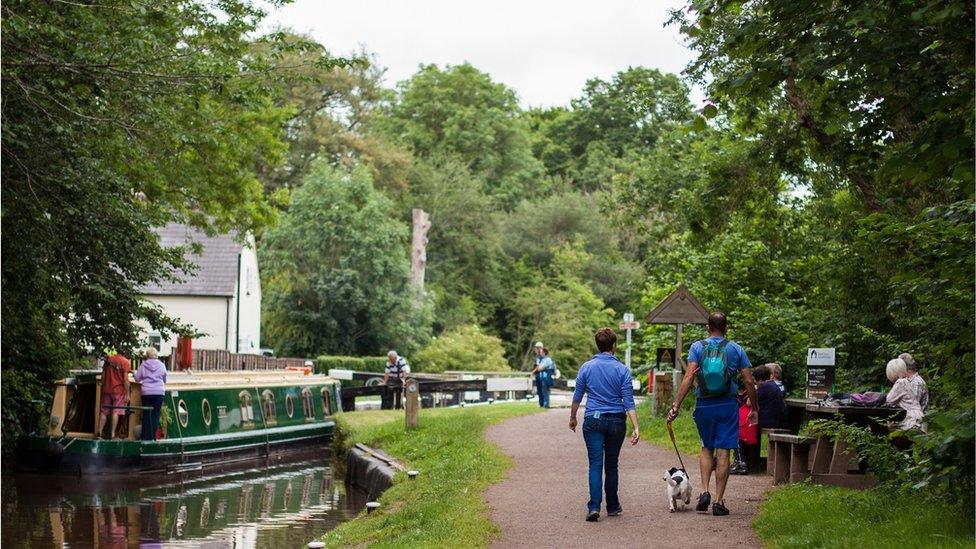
[(717, 416)]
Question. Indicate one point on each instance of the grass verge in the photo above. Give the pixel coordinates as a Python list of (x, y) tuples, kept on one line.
[(807, 515), (444, 506), (655, 430)]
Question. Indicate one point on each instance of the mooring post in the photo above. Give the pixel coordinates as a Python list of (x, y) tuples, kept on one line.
[(411, 391)]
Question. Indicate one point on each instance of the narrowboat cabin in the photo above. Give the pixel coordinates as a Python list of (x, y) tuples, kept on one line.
[(209, 420)]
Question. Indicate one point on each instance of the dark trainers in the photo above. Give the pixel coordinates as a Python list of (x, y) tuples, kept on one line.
[(719, 509), (593, 516), (615, 513), (704, 500)]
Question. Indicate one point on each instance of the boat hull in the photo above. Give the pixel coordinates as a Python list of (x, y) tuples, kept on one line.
[(77, 456)]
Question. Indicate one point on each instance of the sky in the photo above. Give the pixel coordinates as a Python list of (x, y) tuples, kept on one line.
[(544, 50)]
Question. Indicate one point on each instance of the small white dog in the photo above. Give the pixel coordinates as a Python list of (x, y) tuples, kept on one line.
[(679, 488)]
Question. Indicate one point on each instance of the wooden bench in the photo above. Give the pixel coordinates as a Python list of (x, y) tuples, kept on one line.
[(790, 456), (770, 453)]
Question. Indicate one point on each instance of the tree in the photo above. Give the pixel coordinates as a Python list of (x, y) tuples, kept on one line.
[(465, 348), (537, 230), (563, 313), (882, 94), (336, 271), (332, 111), (459, 111), (609, 120), (117, 117)]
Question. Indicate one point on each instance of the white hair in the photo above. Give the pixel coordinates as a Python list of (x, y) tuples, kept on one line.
[(909, 361), (151, 352), (896, 369), (391, 353)]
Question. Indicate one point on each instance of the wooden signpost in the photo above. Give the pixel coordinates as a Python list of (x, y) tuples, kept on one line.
[(679, 308), (411, 391)]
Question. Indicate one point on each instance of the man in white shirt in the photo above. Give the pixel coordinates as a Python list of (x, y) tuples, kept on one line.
[(394, 374)]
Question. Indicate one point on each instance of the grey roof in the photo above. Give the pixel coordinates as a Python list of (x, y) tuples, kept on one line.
[(216, 273)]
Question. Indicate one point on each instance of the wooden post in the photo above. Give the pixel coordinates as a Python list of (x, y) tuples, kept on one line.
[(418, 250), (676, 377), (411, 390)]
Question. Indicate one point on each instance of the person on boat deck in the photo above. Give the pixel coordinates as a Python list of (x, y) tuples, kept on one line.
[(152, 376), (394, 375), (115, 392)]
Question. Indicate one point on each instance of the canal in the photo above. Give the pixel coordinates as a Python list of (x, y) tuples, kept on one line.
[(283, 506)]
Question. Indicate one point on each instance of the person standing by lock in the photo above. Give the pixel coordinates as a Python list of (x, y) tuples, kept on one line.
[(394, 374)]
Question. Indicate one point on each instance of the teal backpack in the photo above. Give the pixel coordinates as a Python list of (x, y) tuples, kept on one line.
[(714, 377)]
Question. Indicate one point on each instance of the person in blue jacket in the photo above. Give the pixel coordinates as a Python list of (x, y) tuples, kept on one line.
[(606, 382), (543, 371)]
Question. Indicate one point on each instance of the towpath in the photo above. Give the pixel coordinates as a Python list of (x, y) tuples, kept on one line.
[(542, 502)]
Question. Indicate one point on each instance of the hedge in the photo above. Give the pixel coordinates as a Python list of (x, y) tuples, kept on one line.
[(355, 363)]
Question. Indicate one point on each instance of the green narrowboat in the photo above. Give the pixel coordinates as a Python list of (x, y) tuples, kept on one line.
[(209, 420)]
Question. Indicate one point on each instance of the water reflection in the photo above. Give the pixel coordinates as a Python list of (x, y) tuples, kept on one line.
[(279, 507)]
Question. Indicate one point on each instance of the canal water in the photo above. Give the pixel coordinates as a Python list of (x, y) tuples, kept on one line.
[(281, 507)]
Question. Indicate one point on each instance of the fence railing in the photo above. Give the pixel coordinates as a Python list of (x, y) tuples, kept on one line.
[(207, 360)]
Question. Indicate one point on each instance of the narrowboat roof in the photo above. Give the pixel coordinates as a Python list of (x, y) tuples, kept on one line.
[(239, 378)]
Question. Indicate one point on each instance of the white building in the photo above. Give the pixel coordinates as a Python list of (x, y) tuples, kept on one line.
[(221, 299)]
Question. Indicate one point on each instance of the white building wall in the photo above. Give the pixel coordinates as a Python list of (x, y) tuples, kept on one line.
[(213, 316), (250, 295)]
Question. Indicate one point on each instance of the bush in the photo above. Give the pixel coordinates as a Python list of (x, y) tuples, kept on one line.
[(355, 363), (465, 348)]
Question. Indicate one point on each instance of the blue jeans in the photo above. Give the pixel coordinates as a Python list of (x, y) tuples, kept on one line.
[(150, 419), (603, 438), (543, 389)]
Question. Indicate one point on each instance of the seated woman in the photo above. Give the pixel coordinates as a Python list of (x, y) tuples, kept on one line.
[(902, 395), (772, 404)]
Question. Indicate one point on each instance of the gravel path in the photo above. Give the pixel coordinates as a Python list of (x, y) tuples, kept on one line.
[(542, 502)]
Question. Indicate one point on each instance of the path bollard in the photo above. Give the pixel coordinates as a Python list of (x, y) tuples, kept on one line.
[(316, 544), (411, 405), (372, 506)]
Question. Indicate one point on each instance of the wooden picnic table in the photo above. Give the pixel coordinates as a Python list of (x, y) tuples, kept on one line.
[(827, 462)]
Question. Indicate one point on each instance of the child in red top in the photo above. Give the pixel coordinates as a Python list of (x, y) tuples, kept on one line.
[(748, 436)]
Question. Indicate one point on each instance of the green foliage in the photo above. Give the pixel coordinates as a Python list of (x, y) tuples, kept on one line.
[(884, 460), (445, 503), (459, 112), (355, 363), (628, 114), (119, 118), (946, 456), (336, 271), (464, 348), (563, 313), (808, 515)]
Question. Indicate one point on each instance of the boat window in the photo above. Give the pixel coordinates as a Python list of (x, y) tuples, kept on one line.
[(247, 414), (182, 413), (206, 412), (308, 406), (290, 405), (326, 402), (268, 403)]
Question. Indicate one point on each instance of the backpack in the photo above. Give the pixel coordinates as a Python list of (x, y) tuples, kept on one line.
[(713, 376)]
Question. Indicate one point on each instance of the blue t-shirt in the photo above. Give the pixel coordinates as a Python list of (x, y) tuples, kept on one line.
[(737, 360), (607, 384)]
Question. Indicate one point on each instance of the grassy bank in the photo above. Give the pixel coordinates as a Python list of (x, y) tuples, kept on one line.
[(444, 506), (655, 430), (806, 515)]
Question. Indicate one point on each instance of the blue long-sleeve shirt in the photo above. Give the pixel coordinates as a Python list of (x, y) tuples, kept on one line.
[(607, 384)]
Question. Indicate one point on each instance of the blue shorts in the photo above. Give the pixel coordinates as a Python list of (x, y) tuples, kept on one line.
[(718, 423)]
